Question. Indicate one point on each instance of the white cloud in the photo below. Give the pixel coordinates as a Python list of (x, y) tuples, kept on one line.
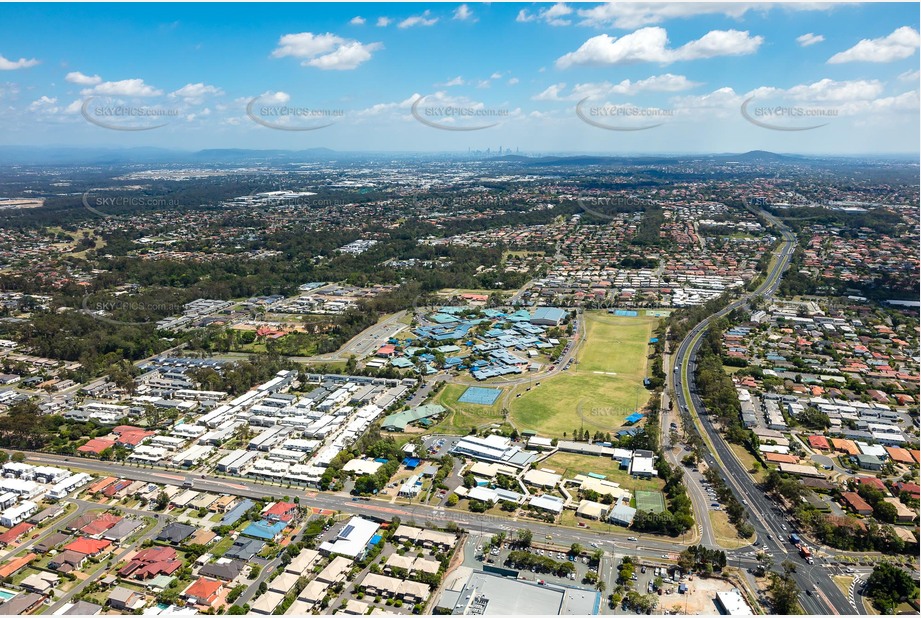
[(847, 98), (325, 51), (463, 13), (44, 104), (278, 97), (720, 43), (123, 88), (196, 92), (76, 77), (909, 76), (827, 90), (513, 81), (383, 22), (651, 45), (358, 20), (457, 81), (346, 57), (379, 109), (656, 83), (629, 15), (418, 20), (809, 38), (556, 15), (899, 45), (12, 65), (524, 16), (496, 75)]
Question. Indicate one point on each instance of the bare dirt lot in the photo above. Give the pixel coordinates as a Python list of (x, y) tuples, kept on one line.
[(699, 599)]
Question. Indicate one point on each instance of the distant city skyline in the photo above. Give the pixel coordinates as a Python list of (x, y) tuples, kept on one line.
[(619, 78)]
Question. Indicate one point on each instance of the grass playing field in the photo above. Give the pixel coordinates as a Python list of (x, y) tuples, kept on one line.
[(463, 416), (601, 389)]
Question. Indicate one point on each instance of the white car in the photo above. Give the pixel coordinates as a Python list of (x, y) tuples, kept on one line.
[(632, 538)]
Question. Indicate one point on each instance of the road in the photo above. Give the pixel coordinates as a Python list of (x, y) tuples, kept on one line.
[(770, 526), (117, 556), (648, 546), (699, 500)]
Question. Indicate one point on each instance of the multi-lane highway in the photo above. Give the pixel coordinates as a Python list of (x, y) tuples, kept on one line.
[(820, 594)]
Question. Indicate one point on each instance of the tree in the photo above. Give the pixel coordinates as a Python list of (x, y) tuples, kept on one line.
[(575, 549), (4, 457), (783, 590), (19, 457), (885, 511), (525, 536), (888, 585)]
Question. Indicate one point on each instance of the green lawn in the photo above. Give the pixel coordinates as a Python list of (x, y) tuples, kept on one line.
[(222, 547), (462, 416), (601, 389)]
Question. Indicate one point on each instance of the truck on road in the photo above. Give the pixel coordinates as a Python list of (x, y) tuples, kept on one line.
[(806, 553)]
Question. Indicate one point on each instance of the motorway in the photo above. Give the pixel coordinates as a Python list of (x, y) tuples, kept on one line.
[(771, 527)]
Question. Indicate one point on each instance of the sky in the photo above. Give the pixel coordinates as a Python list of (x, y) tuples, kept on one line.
[(620, 78)]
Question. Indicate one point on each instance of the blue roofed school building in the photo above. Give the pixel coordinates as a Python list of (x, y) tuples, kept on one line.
[(548, 316), (509, 344)]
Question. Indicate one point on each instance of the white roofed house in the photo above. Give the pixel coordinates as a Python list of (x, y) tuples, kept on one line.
[(353, 540), (592, 510), (552, 504), (542, 478), (643, 464)]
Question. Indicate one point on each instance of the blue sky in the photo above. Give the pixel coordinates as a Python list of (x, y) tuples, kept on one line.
[(619, 78)]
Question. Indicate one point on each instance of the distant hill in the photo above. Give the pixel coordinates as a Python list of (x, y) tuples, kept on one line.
[(36, 155), (758, 156)]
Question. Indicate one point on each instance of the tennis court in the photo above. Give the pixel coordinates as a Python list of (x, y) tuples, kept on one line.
[(625, 313), (480, 396), (651, 501)]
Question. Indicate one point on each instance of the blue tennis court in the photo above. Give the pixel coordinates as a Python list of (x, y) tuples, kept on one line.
[(481, 396), (625, 313)]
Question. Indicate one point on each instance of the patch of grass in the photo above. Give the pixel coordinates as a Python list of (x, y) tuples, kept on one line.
[(725, 533), (222, 547), (462, 416), (748, 460), (844, 583), (601, 389)]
